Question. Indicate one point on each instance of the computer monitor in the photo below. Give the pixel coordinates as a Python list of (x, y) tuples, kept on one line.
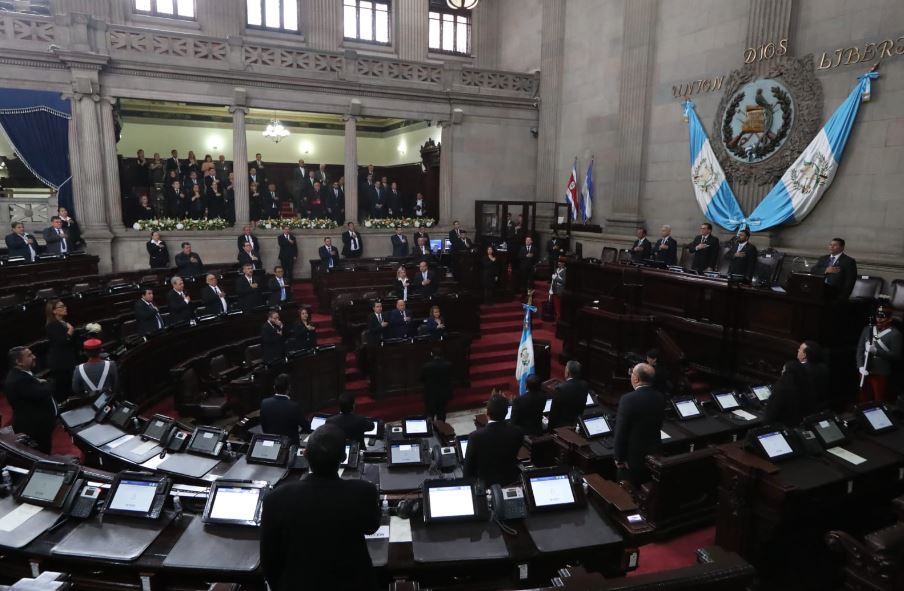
[(317, 421), (595, 426), (726, 401), (406, 453), (206, 441), (549, 489), (235, 502), (158, 427), (447, 244), (48, 483), (876, 418), (436, 245), (137, 494), (762, 392), (416, 427), (449, 500), (687, 409), (828, 432), (267, 449), (774, 445)]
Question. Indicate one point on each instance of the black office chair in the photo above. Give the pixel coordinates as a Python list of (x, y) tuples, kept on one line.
[(609, 254), (867, 288), (896, 294), (768, 268)]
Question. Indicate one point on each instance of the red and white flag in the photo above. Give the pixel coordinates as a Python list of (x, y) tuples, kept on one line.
[(571, 191)]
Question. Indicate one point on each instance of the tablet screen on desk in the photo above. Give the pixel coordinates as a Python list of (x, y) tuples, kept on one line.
[(436, 244), (133, 496), (775, 445), (551, 491), (447, 501), (687, 409), (828, 432), (416, 427), (877, 418), (405, 453), (726, 400), (265, 449), (762, 393), (317, 421), (595, 426), (43, 485), (206, 441), (234, 502)]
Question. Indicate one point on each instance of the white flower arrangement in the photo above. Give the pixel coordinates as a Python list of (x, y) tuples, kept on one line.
[(391, 223), (298, 223), (171, 224)]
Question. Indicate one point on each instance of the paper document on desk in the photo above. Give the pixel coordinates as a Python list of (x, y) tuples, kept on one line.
[(399, 530), (154, 462), (144, 448), (117, 442), (743, 414), (381, 534), (18, 516), (846, 455)]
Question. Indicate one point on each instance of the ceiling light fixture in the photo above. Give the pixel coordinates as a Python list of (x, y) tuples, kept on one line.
[(462, 4), (276, 131)]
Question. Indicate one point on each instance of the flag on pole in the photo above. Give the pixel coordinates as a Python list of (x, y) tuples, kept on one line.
[(571, 191), (524, 365), (587, 193)]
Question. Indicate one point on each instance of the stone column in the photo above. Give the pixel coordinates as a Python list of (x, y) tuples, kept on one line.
[(411, 39), (633, 112), (111, 163), (351, 168), (321, 21), (447, 146), (552, 51), (240, 164), (90, 201)]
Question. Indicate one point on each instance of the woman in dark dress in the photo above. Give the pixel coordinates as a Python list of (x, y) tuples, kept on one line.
[(71, 226), (144, 211), (436, 326), (490, 272), (304, 333), (61, 349), (157, 251)]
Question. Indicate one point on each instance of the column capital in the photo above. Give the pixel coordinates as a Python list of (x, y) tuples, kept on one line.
[(238, 108), (349, 117)]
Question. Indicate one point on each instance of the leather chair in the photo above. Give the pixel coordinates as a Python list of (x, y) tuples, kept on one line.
[(220, 368), (768, 267), (194, 401), (896, 294), (9, 300), (47, 293), (867, 288), (874, 564), (253, 356), (609, 254), (724, 261), (80, 287)]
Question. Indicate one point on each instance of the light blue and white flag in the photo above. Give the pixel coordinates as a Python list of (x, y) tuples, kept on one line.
[(803, 184), (716, 199), (587, 194), (524, 365)]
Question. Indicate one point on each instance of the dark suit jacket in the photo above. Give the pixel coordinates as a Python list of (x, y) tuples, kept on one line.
[(436, 375), (287, 250), (428, 289), (527, 412), (842, 283), (422, 256), (179, 310), (399, 246), (212, 301), (61, 348), (455, 240), (245, 259), (342, 512), (146, 318), (185, 267), (273, 344), (393, 203), (646, 247), (705, 258), (568, 403), (18, 247), (34, 412), (375, 330), (398, 328), (668, 256), (352, 425), (399, 289), (347, 244), (249, 297), (742, 262), (433, 329), (55, 241), (493, 453), (325, 256), (525, 262), (158, 255), (255, 247), (637, 426), (302, 338), (281, 415)]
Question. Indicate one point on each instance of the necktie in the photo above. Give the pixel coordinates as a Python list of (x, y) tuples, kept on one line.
[(833, 261), (62, 241), (354, 242), (380, 318), (282, 289), (704, 240)]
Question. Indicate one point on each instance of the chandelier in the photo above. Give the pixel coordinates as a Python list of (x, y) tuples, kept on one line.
[(462, 4), (276, 131)]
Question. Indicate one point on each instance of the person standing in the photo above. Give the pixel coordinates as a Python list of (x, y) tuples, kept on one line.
[(640, 250), (68, 223), (557, 288), (247, 289), (178, 303), (32, 401), (489, 274), (704, 249), (55, 237), (213, 297), (61, 352), (528, 258), (527, 409), (569, 398), (21, 244), (399, 243), (492, 456), (280, 415), (638, 425), (280, 290), (158, 255), (742, 258), (666, 249), (354, 426), (839, 269), (878, 355), (351, 242), (329, 255), (95, 375), (436, 375), (273, 342), (288, 251)]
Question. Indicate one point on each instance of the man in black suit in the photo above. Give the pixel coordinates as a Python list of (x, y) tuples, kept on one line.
[(569, 399), (222, 170), (299, 179), (259, 166), (273, 344), (637, 426), (839, 269), (527, 409), (173, 163), (248, 257), (704, 249), (280, 415), (492, 456), (188, 263), (334, 203), (399, 321), (399, 243), (288, 251), (378, 201), (312, 531), (425, 281), (280, 290), (247, 237), (422, 251), (21, 244), (528, 258), (394, 201), (351, 242), (354, 426), (270, 202), (178, 303), (455, 236), (147, 317), (34, 410), (377, 324), (329, 254), (742, 258), (419, 206), (666, 248), (421, 233), (316, 201), (213, 297), (436, 375), (256, 179), (56, 238), (641, 248), (247, 289)]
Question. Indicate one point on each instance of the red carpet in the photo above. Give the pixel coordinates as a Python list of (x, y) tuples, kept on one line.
[(676, 553)]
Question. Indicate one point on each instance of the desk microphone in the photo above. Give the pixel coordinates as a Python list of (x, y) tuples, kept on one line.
[(177, 505)]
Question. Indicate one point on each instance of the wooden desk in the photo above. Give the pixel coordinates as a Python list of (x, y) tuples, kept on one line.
[(395, 368), (25, 273)]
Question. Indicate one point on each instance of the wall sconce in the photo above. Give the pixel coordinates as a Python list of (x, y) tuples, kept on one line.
[(402, 148), (305, 148), (214, 142)]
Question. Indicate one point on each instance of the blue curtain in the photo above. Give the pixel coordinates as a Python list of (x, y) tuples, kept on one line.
[(36, 123)]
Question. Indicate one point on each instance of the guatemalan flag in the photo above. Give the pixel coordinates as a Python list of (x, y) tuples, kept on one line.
[(587, 193), (715, 197), (524, 365), (802, 185), (571, 191)]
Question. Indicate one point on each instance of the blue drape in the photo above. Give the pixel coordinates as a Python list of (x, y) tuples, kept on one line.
[(36, 123)]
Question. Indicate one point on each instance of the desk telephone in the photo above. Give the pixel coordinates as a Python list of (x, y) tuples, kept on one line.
[(808, 441), (175, 440), (81, 500), (508, 503)]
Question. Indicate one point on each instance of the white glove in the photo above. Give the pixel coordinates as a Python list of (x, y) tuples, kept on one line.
[(873, 349), (863, 371)]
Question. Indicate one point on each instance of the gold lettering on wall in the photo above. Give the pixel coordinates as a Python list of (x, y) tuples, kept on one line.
[(847, 56), (692, 87), (766, 51)]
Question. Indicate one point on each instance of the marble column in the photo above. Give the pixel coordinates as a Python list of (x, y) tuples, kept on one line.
[(412, 38), (240, 164), (111, 163), (447, 146), (552, 52), (321, 21), (90, 201), (351, 168)]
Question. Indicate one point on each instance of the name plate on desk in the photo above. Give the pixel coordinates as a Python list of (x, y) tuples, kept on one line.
[(846, 455), (18, 516), (382, 533)]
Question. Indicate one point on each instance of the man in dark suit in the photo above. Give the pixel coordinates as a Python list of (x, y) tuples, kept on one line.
[(256, 179), (247, 237), (742, 257), (280, 290), (705, 249), (280, 415), (316, 201), (147, 317), (21, 244), (394, 201), (299, 179), (839, 269), (34, 409), (178, 303), (270, 202), (247, 289), (399, 243), (222, 170), (173, 163), (419, 206), (569, 399), (248, 257), (354, 426), (637, 426), (528, 258), (334, 203), (425, 281), (527, 409), (329, 254), (492, 456), (188, 263), (56, 238), (377, 324), (641, 248), (399, 321), (259, 166), (666, 248), (421, 233), (436, 375), (273, 344), (422, 252), (351, 242), (378, 201), (455, 236), (288, 251), (312, 530), (213, 297)]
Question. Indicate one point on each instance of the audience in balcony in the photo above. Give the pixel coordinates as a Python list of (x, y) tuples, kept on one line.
[(144, 211)]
